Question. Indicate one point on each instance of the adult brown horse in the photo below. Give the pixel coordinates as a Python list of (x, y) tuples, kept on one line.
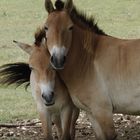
[(101, 72)]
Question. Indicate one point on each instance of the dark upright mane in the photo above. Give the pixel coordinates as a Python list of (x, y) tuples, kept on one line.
[(59, 5), (85, 21), (82, 18), (15, 74)]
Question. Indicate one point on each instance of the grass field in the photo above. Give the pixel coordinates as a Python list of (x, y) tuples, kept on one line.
[(18, 21)]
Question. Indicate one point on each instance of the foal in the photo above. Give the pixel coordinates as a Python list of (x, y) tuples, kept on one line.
[(51, 96)]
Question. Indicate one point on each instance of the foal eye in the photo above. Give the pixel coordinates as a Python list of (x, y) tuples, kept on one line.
[(71, 28), (31, 68)]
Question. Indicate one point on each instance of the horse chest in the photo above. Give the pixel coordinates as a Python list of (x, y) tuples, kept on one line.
[(79, 104), (54, 110)]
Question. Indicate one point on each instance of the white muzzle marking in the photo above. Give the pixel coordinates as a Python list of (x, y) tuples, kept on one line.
[(58, 51), (46, 88)]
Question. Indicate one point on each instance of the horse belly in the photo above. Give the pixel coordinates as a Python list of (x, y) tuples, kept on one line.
[(127, 102)]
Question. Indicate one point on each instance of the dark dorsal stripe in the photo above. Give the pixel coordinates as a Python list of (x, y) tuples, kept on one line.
[(84, 20)]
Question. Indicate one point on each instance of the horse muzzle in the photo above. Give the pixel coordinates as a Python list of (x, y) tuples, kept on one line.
[(58, 62)]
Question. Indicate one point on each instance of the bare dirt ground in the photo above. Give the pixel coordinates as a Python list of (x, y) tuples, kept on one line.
[(127, 127)]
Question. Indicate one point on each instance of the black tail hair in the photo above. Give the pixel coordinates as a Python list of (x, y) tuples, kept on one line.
[(15, 74)]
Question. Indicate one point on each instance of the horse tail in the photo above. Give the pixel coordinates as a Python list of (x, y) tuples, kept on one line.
[(15, 74)]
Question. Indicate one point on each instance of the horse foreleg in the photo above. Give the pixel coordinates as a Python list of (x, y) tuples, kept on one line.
[(75, 115), (57, 121), (45, 118), (102, 122), (66, 115)]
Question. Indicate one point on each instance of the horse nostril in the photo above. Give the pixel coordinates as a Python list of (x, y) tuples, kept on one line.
[(52, 94), (43, 96), (52, 59), (48, 98), (64, 59)]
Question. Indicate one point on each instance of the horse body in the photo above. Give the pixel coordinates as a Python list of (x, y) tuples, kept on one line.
[(110, 78), (109, 81), (117, 65), (101, 72), (114, 67)]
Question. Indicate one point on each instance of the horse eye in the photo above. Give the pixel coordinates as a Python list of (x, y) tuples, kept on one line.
[(46, 28), (71, 28)]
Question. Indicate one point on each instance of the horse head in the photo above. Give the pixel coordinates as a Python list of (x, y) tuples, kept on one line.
[(42, 78), (58, 29)]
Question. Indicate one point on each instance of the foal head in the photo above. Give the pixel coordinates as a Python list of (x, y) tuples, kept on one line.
[(58, 29), (42, 76)]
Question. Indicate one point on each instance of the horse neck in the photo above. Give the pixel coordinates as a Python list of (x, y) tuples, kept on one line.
[(81, 54)]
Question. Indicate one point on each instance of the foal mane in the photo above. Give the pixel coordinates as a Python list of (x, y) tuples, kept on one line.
[(40, 34), (81, 19)]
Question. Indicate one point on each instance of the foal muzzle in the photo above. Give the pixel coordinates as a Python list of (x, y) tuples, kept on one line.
[(48, 99)]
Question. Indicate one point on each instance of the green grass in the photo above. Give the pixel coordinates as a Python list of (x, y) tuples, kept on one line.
[(16, 104), (19, 20)]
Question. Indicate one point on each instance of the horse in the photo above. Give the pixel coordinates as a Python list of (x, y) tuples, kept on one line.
[(51, 96), (100, 71)]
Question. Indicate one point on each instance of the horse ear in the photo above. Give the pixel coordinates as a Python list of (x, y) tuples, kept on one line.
[(49, 6), (69, 5), (27, 48)]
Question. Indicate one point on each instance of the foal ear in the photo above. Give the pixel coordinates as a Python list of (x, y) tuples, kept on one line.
[(49, 6), (69, 5), (27, 48)]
